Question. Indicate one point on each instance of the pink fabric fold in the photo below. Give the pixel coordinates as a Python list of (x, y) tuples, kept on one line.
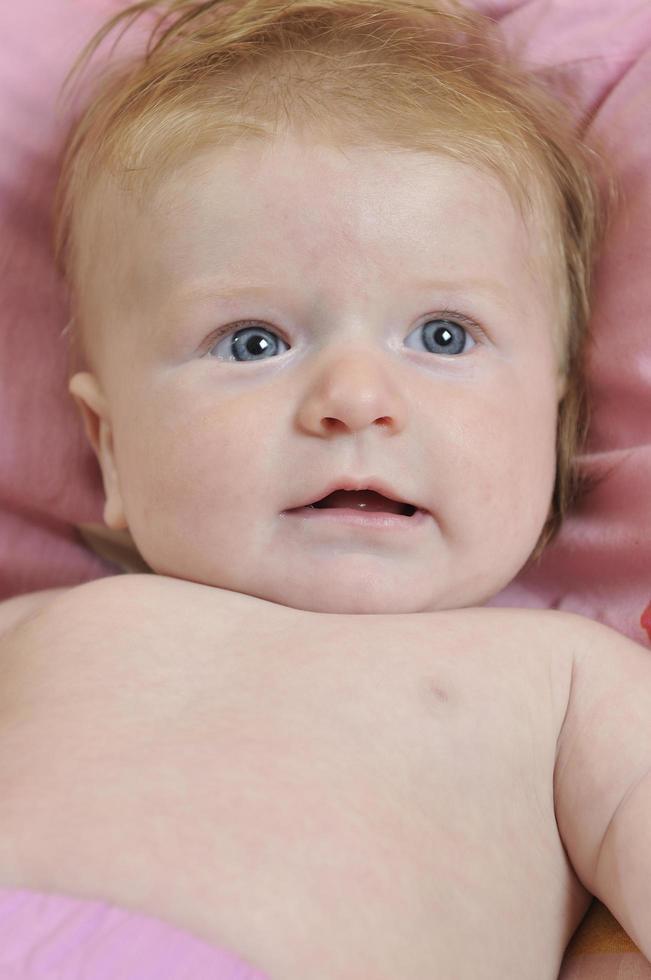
[(600, 564), (55, 937)]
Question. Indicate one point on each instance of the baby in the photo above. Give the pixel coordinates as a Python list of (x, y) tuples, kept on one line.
[(329, 269)]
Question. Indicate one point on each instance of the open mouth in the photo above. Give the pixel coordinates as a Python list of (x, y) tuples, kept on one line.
[(366, 501)]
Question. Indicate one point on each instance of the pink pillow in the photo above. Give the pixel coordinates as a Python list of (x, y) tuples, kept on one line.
[(49, 480), (600, 564)]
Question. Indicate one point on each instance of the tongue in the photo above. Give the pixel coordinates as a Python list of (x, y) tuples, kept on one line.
[(367, 500)]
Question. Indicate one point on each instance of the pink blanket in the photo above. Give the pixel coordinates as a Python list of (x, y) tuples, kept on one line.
[(52, 937)]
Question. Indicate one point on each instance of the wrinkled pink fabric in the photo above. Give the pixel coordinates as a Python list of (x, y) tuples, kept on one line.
[(600, 565), (49, 480), (646, 620), (53, 937)]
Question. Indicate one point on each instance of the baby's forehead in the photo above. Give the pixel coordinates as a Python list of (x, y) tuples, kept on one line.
[(317, 213), (288, 179), (319, 197)]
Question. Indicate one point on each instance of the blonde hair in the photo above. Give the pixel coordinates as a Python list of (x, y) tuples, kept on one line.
[(427, 76)]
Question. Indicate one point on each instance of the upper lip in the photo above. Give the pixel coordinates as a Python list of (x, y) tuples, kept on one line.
[(354, 483)]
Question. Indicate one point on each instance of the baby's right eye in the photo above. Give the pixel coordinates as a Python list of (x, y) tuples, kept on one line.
[(247, 342)]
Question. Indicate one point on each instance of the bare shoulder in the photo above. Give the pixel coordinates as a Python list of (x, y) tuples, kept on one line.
[(150, 599), (135, 616), (16, 610), (23, 609), (606, 668), (39, 613), (592, 658), (604, 742), (605, 663)]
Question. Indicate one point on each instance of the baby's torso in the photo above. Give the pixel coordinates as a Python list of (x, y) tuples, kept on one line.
[(333, 797)]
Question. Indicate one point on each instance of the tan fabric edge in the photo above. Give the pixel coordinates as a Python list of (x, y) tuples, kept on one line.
[(115, 546), (599, 932)]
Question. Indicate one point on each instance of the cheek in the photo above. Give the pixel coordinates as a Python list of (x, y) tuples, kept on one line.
[(493, 448), (186, 462), (519, 457)]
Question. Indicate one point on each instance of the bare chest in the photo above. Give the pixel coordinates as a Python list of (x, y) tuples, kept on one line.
[(330, 796)]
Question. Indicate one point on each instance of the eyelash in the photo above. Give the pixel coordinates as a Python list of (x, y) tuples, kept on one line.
[(473, 328)]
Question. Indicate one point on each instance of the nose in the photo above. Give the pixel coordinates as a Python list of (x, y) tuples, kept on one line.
[(351, 392)]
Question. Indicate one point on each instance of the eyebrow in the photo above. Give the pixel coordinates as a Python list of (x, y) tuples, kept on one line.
[(222, 289), (488, 287)]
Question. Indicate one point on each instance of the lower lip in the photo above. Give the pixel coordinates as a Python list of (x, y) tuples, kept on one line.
[(354, 517)]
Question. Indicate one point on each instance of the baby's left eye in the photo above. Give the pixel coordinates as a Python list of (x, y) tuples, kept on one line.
[(442, 336), (250, 341)]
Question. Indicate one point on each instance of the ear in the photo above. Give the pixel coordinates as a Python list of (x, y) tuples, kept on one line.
[(87, 393)]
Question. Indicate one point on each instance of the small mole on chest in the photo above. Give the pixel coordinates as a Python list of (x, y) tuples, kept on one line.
[(435, 692)]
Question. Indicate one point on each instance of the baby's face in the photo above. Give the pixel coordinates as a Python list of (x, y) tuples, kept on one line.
[(360, 275)]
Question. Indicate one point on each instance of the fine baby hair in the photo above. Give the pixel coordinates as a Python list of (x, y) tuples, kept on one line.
[(431, 76)]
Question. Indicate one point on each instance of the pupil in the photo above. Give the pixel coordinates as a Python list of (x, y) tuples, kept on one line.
[(447, 335), (256, 344)]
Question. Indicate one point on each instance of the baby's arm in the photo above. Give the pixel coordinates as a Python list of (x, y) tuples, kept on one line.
[(602, 778)]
